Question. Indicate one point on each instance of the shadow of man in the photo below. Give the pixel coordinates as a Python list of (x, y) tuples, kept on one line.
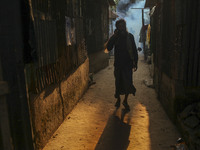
[(116, 134)]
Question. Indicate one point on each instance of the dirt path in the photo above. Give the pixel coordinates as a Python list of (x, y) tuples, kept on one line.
[(96, 124)]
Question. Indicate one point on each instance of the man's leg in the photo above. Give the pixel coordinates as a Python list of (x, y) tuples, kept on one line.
[(125, 103), (117, 86), (117, 104), (126, 98)]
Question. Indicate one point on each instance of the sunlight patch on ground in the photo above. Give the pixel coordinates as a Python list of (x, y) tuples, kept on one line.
[(139, 135)]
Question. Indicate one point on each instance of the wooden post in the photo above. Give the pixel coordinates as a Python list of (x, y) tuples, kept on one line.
[(11, 57), (144, 49), (142, 17)]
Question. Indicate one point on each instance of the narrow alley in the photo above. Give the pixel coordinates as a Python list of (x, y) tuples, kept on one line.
[(57, 81), (95, 123)]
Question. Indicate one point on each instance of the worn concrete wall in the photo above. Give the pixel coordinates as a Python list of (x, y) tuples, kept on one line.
[(74, 87), (50, 108)]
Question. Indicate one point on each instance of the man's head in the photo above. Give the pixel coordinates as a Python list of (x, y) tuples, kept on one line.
[(121, 24)]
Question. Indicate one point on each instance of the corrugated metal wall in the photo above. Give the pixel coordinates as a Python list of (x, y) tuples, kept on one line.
[(192, 44), (97, 24), (56, 59), (175, 41)]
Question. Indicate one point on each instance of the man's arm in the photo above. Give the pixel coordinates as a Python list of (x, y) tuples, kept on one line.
[(111, 42), (135, 52)]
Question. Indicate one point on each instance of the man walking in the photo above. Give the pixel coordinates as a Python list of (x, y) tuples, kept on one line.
[(126, 59)]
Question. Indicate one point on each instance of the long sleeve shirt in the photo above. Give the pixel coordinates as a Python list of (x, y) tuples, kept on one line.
[(121, 52)]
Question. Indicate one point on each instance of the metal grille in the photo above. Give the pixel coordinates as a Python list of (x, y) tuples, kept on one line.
[(46, 42), (56, 60)]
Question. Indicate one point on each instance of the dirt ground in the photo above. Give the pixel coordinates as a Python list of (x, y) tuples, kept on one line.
[(95, 124)]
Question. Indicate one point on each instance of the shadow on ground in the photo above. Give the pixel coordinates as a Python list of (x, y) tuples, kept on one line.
[(116, 133)]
